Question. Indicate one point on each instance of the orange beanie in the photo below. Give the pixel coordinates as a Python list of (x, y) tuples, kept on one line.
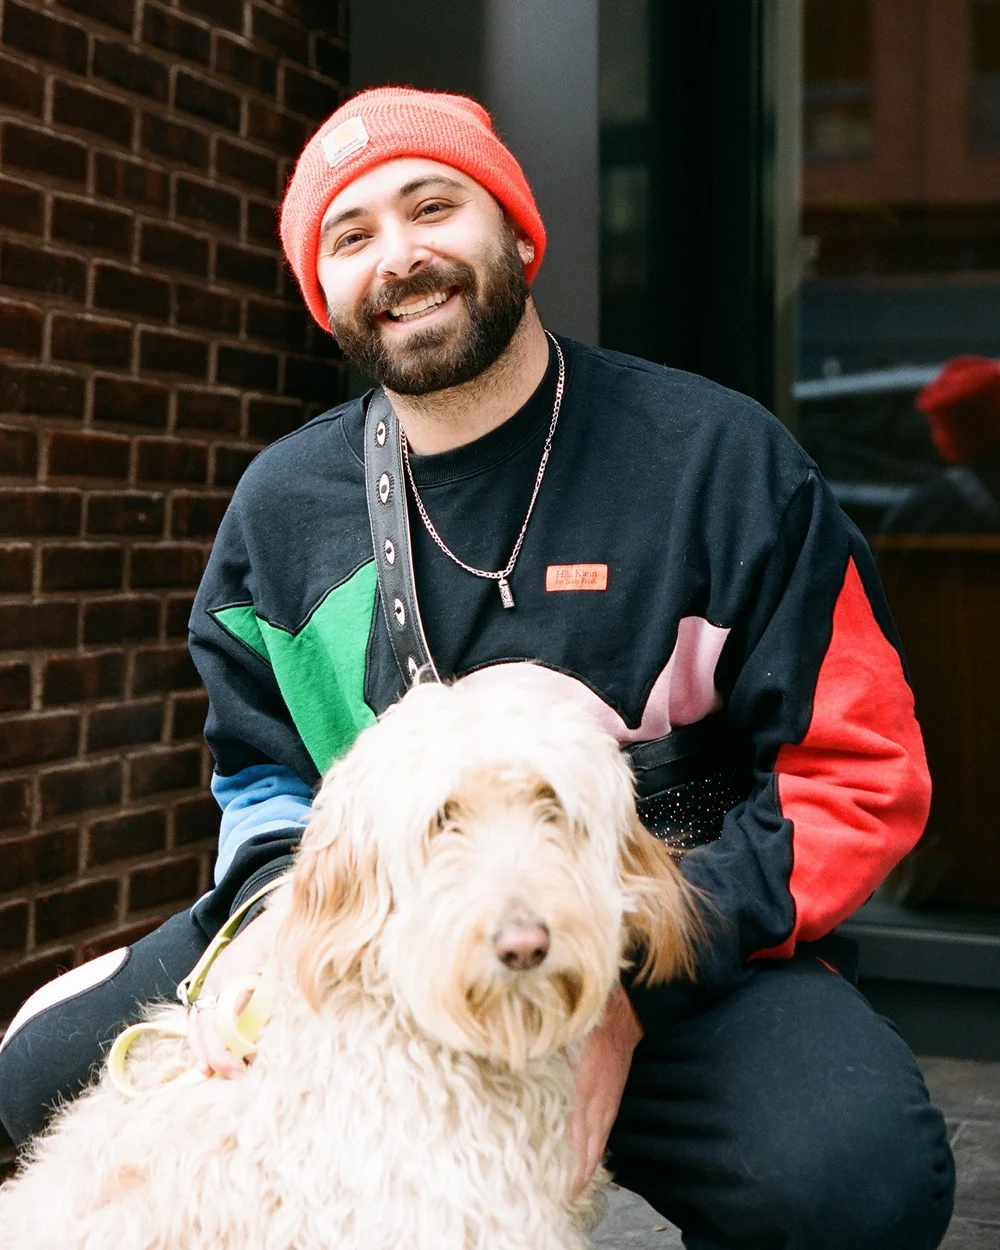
[(378, 126), (962, 407)]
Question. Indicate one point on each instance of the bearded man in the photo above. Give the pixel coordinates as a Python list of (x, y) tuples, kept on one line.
[(667, 552)]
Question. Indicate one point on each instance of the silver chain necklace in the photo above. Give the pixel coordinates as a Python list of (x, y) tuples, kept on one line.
[(501, 576)]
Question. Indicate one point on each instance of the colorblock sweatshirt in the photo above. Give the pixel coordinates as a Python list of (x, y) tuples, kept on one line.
[(684, 561)]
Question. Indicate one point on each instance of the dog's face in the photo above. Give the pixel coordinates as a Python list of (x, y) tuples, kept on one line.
[(477, 855)]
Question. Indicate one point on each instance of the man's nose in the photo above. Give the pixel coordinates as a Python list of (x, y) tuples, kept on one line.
[(402, 254)]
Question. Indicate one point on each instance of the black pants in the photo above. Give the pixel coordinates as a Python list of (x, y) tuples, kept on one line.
[(785, 1116)]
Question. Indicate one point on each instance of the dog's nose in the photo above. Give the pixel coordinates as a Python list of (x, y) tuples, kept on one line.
[(520, 946)]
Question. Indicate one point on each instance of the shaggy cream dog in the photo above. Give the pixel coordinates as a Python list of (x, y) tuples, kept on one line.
[(471, 884)]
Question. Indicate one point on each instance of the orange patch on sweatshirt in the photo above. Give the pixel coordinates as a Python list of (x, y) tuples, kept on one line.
[(576, 577)]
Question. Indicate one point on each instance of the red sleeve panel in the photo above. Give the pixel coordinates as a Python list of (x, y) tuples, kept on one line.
[(856, 788)]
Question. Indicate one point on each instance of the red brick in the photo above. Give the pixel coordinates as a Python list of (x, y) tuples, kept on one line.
[(75, 789), (331, 59), (280, 33), (174, 140), (16, 568), (163, 670), (38, 739), (30, 626), (124, 725), (26, 148), (125, 67), (41, 391), (307, 93), (14, 927), (246, 268), (235, 60), (230, 464), (126, 936), (46, 37), (195, 820), (117, 13), (124, 514), (207, 310), (92, 111), (15, 803), (103, 343), (91, 225), (21, 87), (172, 353), (250, 370), (245, 165), (131, 403), (178, 614), (122, 837), (119, 178), (71, 911), (39, 860), (227, 13), (175, 881), (128, 618), (36, 270), (21, 207), (314, 380), (283, 323), (172, 460), (15, 688), (25, 513), (18, 452), (202, 99), (20, 981), (173, 768), (174, 34), (208, 410), (196, 516), (201, 202), (86, 455), (76, 678), (122, 290), (274, 127), (189, 715), (172, 248), (20, 333), (82, 568), (262, 222), (167, 565)]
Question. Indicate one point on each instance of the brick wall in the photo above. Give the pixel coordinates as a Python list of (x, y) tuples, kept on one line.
[(150, 343)]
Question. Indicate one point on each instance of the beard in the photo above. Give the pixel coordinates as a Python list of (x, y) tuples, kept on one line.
[(428, 360)]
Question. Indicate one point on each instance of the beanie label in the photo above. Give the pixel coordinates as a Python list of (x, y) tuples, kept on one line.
[(344, 140)]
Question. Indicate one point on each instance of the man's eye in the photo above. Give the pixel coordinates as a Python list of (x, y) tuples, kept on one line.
[(433, 206), (348, 240)]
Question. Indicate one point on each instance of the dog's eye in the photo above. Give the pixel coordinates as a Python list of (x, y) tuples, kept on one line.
[(445, 816)]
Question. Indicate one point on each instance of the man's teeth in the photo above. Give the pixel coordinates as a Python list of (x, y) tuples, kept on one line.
[(406, 312)]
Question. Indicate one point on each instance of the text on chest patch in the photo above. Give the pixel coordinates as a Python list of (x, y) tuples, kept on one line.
[(576, 577)]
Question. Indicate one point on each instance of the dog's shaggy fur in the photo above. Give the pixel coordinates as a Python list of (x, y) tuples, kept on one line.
[(410, 1090)]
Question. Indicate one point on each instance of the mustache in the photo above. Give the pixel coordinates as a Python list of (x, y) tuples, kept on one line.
[(400, 290)]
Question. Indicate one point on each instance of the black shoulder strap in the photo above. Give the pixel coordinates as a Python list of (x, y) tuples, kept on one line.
[(385, 487)]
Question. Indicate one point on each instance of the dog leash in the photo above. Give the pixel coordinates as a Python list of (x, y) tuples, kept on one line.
[(239, 1031)]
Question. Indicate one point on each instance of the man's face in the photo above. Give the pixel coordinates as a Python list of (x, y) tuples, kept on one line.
[(422, 274)]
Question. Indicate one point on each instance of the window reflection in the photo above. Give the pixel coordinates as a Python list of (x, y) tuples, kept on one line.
[(837, 104), (985, 120)]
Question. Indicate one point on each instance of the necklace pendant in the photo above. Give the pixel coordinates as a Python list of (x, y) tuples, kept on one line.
[(506, 595)]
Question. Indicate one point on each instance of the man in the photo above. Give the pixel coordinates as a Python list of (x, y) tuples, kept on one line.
[(666, 550)]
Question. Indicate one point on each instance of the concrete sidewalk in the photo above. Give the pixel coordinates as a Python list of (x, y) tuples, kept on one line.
[(968, 1091)]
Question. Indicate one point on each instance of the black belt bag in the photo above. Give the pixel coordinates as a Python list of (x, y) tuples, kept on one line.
[(686, 782)]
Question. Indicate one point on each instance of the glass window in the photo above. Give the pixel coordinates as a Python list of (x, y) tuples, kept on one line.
[(837, 103), (898, 388), (985, 119)]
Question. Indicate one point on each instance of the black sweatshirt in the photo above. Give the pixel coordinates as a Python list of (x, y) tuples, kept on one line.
[(685, 561)]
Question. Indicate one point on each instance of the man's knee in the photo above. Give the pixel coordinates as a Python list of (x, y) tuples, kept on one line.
[(889, 1185)]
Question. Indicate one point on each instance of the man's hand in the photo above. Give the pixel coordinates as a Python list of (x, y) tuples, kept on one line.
[(247, 953), (601, 1072)]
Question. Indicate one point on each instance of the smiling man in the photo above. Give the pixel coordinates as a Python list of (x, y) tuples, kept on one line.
[(668, 554)]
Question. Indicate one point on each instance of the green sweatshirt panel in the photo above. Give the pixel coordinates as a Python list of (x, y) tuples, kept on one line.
[(242, 622), (321, 669)]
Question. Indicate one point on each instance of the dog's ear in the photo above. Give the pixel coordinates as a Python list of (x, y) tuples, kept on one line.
[(662, 922), (341, 896)]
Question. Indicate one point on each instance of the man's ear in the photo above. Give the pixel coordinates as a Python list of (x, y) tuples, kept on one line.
[(526, 250)]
